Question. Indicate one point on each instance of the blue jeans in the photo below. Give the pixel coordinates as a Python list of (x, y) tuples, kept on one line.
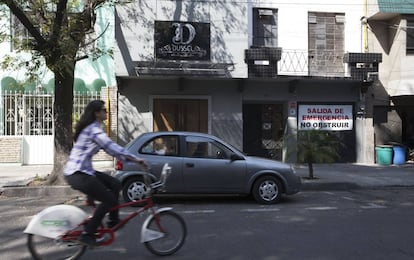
[(101, 187)]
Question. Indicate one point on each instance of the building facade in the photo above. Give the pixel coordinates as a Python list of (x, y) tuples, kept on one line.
[(253, 72), (250, 72), (390, 31)]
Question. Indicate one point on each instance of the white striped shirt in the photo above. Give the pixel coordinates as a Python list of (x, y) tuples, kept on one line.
[(91, 139)]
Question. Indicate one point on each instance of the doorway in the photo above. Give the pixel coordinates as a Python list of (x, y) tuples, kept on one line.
[(181, 115), (263, 126)]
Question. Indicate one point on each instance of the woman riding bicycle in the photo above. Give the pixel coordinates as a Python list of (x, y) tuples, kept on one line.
[(89, 139)]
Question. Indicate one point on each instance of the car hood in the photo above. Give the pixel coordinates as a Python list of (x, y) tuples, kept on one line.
[(258, 162)]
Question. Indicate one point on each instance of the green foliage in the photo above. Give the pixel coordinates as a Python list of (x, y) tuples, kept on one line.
[(317, 147)]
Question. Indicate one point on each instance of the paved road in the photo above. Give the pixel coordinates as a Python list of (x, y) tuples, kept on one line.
[(328, 225)]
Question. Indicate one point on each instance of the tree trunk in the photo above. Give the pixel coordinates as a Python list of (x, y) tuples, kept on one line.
[(310, 166), (63, 107)]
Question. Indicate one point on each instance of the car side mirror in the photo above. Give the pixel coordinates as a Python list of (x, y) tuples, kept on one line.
[(235, 157)]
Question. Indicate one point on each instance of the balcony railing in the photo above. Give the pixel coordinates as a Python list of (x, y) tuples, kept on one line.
[(323, 63)]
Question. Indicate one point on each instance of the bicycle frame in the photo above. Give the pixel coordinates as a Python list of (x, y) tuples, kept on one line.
[(148, 202), (56, 229)]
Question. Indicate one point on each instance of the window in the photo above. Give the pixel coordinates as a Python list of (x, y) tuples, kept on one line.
[(264, 27), (410, 36), (198, 147), (164, 145)]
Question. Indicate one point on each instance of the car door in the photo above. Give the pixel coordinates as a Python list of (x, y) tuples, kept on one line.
[(160, 150), (207, 167)]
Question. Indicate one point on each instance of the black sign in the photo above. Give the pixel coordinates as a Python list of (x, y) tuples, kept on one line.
[(182, 40)]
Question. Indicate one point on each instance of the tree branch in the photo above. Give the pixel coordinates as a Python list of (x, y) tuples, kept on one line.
[(82, 58), (19, 13), (96, 38), (57, 24)]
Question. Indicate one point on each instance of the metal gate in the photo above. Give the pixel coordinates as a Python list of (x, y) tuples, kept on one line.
[(30, 115)]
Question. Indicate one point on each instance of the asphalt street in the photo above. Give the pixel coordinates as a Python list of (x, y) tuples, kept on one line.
[(331, 225)]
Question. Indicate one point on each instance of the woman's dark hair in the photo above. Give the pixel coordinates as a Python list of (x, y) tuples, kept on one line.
[(88, 116)]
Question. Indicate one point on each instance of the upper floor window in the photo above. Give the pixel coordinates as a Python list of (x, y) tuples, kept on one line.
[(264, 27), (410, 36)]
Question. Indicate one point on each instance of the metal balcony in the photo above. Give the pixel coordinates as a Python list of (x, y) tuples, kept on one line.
[(321, 63)]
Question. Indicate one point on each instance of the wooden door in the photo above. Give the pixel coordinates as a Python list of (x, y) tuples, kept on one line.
[(181, 115)]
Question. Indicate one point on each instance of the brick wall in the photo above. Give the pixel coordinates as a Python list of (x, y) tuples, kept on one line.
[(10, 149), (110, 96)]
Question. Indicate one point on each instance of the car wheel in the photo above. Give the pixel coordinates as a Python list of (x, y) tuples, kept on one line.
[(267, 190), (134, 189)]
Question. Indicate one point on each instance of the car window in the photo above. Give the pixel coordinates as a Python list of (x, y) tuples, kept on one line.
[(206, 148), (162, 145)]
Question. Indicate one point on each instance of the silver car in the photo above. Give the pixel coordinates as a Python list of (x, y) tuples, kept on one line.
[(204, 164)]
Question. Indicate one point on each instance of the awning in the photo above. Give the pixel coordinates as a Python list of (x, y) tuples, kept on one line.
[(183, 68), (396, 6)]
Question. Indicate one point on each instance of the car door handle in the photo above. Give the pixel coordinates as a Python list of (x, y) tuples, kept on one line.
[(190, 165)]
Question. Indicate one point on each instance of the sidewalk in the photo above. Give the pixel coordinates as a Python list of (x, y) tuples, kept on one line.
[(357, 176), (14, 178)]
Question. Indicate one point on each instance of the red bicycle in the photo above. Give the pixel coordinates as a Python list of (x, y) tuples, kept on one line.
[(53, 233)]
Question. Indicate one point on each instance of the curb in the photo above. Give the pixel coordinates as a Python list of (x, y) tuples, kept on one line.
[(338, 186), (39, 191)]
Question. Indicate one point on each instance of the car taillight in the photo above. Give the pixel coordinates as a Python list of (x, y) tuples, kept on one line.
[(119, 165)]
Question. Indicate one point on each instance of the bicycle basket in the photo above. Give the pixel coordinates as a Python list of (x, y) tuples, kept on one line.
[(166, 170)]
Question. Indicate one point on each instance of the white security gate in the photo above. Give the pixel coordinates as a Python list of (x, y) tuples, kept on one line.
[(30, 115)]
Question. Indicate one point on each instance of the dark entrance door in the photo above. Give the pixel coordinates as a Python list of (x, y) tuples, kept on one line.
[(263, 126)]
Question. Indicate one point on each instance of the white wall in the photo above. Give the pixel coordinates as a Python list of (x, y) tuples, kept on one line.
[(227, 19), (396, 71), (293, 20), (231, 27)]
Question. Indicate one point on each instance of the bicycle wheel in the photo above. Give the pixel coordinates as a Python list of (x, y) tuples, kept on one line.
[(173, 237), (44, 248)]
